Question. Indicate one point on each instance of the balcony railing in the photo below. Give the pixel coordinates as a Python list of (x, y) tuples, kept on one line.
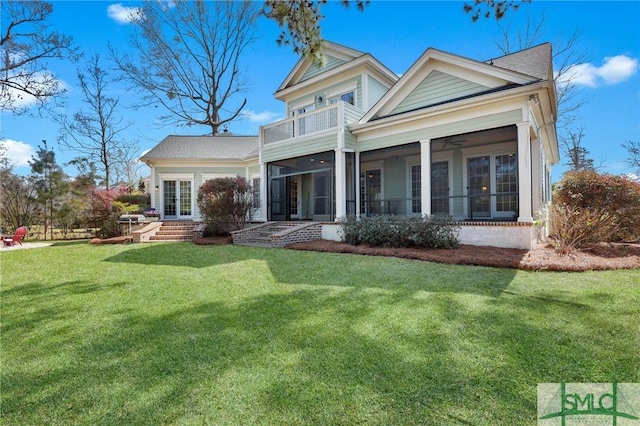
[(502, 206), (320, 120)]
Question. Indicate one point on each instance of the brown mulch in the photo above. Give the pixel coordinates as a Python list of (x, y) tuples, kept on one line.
[(216, 241), (543, 257), (114, 240)]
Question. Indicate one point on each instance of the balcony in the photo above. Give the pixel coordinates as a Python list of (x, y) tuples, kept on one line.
[(318, 121)]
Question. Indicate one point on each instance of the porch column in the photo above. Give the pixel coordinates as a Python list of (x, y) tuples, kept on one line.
[(537, 176), (524, 173), (341, 184), (358, 183), (263, 191), (152, 188), (425, 176)]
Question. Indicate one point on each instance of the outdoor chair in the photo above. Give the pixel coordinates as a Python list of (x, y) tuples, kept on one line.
[(17, 237)]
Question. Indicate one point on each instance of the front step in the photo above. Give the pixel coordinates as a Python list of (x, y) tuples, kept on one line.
[(278, 234), (175, 231)]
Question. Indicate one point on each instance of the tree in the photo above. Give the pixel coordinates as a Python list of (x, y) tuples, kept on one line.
[(18, 205), (300, 20), (188, 59), (633, 148), (488, 8), (577, 155), (95, 130), (226, 204), (49, 181), (26, 42)]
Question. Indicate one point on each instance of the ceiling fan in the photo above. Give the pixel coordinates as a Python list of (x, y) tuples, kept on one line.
[(449, 141)]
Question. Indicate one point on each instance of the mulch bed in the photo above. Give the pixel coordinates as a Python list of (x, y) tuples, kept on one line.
[(542, 258), (114, 240), (216, 241)]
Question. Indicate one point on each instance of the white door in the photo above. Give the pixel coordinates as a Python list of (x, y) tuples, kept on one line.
[(177, 199)]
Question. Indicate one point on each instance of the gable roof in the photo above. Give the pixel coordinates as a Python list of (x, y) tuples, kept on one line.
[(338, 60), (517, 69), (534, 61), (220, 147), (334, 54)]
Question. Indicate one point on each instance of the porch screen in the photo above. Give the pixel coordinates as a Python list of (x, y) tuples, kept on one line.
[(440, 187)]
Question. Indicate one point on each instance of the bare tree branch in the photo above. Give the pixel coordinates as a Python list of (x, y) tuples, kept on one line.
[(25, 44), (187, 60), (94, 131), (633, 148)]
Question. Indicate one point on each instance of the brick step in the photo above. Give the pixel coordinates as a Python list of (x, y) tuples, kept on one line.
[(276, 235), (174, 231), (167, 238)]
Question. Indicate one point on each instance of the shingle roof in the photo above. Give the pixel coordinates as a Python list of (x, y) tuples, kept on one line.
[(535, 61), (221, 147)]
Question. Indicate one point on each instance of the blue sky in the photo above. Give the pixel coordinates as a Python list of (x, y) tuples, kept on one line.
[(396, 33)]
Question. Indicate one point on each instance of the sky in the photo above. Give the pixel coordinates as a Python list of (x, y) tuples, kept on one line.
[(394, 32)]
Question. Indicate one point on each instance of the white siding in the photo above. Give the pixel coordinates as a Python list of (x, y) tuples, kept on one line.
[(435, 88)]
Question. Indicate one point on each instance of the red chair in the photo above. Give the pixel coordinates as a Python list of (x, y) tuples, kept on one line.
[(17, 237)]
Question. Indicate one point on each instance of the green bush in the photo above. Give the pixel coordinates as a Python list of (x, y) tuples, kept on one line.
[(401, 231), (142, 200), (587, 195)]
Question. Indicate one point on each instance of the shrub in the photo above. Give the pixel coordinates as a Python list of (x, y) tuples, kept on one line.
[(589, 195), (135, 199), (575, 228), (437, 232), (401, 231), (226, 204)]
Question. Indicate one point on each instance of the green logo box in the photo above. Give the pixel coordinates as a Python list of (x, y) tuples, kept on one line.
[(593, 404)]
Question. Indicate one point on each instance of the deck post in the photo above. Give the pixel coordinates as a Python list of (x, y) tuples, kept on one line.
[(425, 176)]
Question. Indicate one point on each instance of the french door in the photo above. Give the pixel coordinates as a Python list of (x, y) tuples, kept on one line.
[(177, 198)]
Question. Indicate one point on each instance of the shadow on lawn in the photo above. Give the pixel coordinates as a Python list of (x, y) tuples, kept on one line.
[(316, 356), (308, 267)]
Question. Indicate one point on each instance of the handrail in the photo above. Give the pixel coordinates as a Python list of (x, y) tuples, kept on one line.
[(317, 121)]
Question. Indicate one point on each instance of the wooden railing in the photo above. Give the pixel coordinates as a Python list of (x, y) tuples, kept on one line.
[(320, 120)]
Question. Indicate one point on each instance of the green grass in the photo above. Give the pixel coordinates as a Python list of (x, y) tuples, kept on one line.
[(183, 334)]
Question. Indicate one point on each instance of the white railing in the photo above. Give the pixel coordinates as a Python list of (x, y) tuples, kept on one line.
[(317, 121)]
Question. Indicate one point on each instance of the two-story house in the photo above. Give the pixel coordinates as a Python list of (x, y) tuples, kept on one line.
[(454, 136)]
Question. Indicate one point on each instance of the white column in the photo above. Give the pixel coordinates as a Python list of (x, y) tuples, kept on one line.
[(524, 173), (263, 191), (341, 184), (536, 177), (152, 189), (425, 176), (358, 183)]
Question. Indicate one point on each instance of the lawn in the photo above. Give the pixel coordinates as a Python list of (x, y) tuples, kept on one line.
[(176, 333)]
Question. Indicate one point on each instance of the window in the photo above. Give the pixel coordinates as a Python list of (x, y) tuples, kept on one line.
[(506, 183), (255, 192), (348, 97)]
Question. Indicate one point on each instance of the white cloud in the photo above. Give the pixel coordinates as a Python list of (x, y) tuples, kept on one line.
[(614, 70), (632, 176), (19, 153), (123, 14), (262, 117)]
